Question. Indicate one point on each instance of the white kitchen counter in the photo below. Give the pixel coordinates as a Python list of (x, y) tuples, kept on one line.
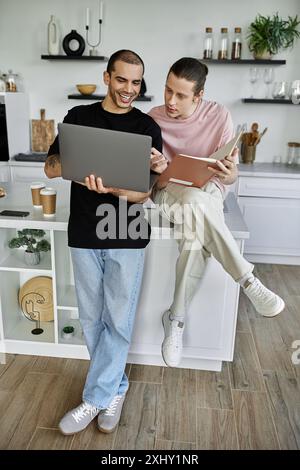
[(19, 198), (270, 170)]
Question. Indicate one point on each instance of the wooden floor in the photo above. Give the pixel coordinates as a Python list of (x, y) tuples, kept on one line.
[(254, 403)]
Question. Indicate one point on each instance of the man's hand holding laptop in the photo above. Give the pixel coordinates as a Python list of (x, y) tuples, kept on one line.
[(158, 163)]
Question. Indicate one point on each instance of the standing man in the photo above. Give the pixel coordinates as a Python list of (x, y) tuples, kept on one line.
[(107, 270), (194, 126)]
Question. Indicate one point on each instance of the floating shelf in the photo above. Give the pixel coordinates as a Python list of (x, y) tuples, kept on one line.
[(75, 57), (263, 100), (101, 97), (244, 61)]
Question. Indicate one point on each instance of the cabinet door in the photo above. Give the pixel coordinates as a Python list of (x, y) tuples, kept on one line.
[(27, 173), (274, 225), (210, 325)]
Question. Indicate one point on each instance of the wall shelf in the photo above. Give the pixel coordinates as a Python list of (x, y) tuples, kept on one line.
[(263, 100), (101, 97), (244, 61), (75, 57)]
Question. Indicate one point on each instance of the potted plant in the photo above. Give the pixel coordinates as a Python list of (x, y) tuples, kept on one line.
[(28, 238), (268, 35)]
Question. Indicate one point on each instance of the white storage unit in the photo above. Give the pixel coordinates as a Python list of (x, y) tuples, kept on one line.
[(4, 172), (27, 171), (269, 197), (210, 333)]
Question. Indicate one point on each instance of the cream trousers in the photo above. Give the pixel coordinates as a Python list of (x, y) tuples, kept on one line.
[(199, 225)]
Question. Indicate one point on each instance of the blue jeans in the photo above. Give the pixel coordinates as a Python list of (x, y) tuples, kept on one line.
[(107, 286)]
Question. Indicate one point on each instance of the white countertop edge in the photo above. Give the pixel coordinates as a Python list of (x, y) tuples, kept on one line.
[(21, 200), (24, 163), (268, 170)]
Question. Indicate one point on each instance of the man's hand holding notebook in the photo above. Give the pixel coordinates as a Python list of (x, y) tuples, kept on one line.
[(194, 171)]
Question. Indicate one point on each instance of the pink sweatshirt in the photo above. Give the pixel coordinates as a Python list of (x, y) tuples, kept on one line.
[(201, 134)]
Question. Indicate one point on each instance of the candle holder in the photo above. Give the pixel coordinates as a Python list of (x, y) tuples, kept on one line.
[(93, 51)]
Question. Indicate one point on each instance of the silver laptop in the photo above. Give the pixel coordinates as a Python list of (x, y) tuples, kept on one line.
[(121, 159)]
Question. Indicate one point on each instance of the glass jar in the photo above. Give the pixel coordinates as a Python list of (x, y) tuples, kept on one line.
[(236, 50), (223, 44), (11, 85), (293, 154), (295, 92), (2, 84), (208, 44), (280, 90)]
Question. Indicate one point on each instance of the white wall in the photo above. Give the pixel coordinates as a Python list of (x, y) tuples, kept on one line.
[(161, 31)]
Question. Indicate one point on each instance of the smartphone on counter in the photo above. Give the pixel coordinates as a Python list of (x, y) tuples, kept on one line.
[(8, 213)]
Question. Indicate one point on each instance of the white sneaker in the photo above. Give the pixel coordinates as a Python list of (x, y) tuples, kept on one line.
[(172, 344), (108, 419), (266, 302)]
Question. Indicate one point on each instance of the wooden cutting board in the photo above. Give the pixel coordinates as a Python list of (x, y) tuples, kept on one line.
[(42, 133)]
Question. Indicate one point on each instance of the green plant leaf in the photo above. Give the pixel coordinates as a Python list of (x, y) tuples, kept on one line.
[(272, 34)]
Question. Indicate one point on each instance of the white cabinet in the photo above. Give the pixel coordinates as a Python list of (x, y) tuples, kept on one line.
[(210, 332), (4, 172), (27, 171), (269, 197)]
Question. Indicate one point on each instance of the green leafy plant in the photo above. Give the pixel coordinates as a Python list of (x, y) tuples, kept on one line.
[(272, 34), (68, 329), (28, 238)]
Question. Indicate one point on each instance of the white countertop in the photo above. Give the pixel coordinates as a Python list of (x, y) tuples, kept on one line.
[(24, 163), (268, 170), (19, 198)]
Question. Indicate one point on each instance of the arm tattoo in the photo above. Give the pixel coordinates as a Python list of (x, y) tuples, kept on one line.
[(53, 160)]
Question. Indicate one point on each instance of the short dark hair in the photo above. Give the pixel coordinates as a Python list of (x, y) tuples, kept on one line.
[(192, 70), (124, 55)]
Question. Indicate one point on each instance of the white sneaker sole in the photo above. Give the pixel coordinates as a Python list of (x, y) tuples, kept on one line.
[(68, 433), (279, 310), (169, 364), (107, 431)]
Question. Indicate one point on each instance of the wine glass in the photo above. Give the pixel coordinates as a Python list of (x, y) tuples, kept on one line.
[(296, 92), (268, 79), (253, 77)]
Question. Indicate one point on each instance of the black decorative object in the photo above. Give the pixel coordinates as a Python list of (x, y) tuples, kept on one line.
[(73, 36), (143, 88)]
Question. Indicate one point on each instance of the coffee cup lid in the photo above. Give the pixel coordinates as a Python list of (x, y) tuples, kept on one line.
[(48, 191), (37, 185)]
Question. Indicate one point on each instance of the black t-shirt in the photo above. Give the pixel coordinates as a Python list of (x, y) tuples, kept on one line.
[(85, 228)]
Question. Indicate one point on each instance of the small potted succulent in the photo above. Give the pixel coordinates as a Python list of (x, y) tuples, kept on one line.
[(269, 35), (28, 238), (68, 331)]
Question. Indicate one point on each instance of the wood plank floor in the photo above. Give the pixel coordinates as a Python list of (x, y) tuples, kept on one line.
[(254, 403)]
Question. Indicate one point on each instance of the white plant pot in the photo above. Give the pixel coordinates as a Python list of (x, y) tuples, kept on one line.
[(67, 335), (31, 259)]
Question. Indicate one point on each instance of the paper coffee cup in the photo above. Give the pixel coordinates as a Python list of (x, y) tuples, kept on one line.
[(48, 198), (35, 193)]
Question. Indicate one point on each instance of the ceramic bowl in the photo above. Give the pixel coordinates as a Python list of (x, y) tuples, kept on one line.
[(86, 89)]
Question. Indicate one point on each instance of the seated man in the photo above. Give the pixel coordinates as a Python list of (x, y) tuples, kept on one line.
[(198, 127)]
